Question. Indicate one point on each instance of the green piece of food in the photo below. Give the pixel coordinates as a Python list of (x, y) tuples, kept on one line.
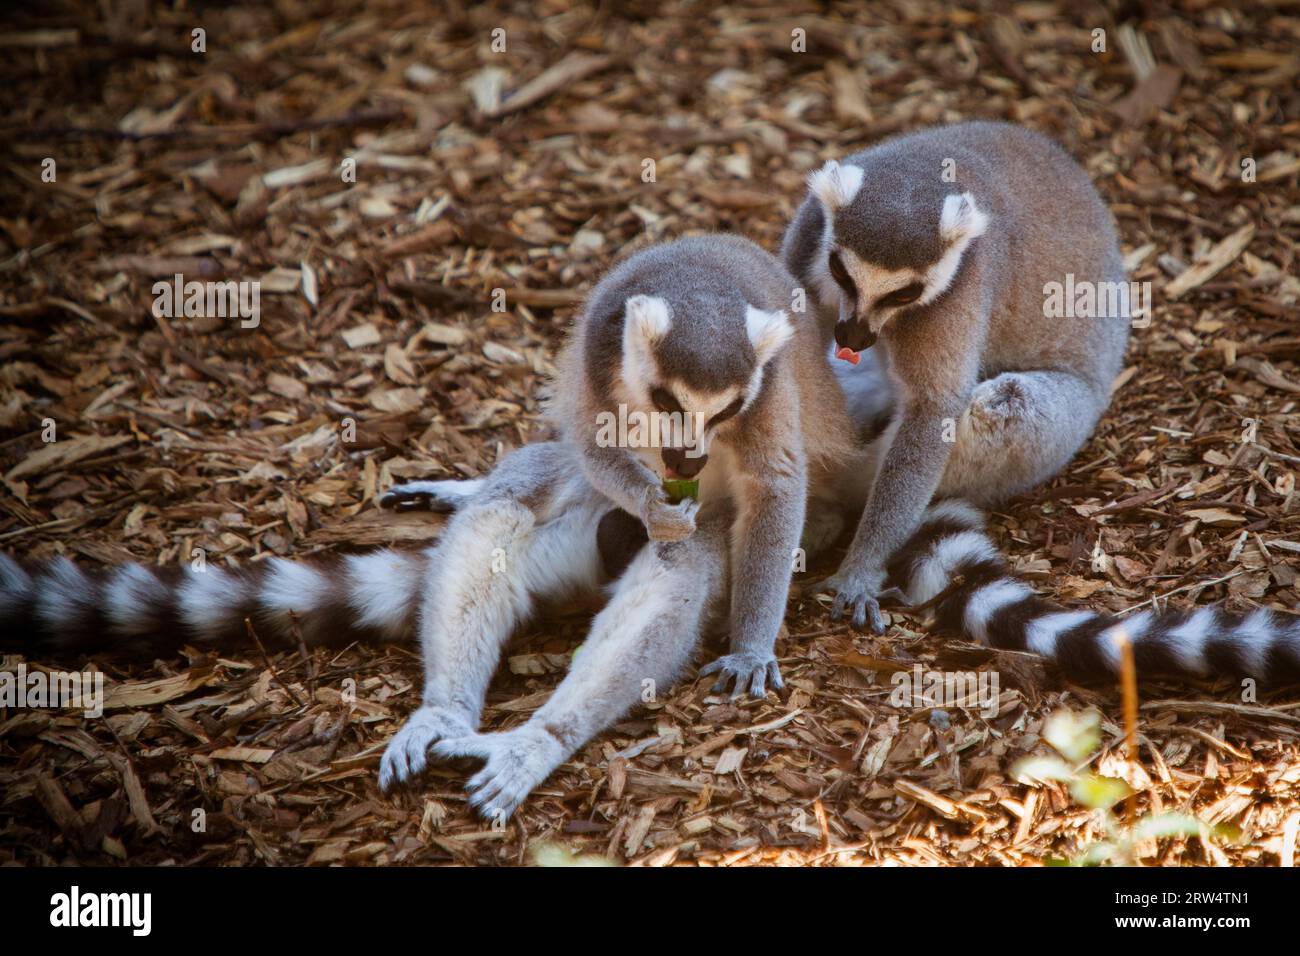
[(678, 488)]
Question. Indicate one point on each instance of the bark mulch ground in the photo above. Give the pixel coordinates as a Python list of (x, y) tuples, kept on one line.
[(526, 170)]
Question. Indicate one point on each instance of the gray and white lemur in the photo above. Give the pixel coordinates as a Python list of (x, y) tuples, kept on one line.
[(935, 250), (943, 284), (699, 328), (696, 328)]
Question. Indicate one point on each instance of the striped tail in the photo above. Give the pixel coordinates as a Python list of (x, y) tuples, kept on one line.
[(952, 562), (58, 607)]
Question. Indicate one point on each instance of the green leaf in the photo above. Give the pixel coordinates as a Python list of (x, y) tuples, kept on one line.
[(1166, 825), (1038, 769), (678, 488), (1097, 792), (1229, 832), (1097, 854), (1075, 736)]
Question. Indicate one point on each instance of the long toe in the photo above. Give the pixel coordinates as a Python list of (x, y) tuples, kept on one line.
[(774, 675)]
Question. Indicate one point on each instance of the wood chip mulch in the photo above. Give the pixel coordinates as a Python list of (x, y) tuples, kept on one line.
[(523, 171)]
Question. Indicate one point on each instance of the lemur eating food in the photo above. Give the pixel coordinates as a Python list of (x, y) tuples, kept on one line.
[(699, 328), (695, 329)]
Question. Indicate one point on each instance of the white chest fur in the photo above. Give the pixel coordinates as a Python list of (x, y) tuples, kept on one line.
[(716, 480)]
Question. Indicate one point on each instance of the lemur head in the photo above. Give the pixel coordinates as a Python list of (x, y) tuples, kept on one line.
[(698, 359), (890, 245)]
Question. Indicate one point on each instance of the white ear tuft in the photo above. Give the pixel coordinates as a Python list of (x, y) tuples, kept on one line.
[(836, 185), (961, 218), (648, 317), (768, 331)]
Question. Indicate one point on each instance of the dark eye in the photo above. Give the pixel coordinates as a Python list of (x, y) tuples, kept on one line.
[(664, 400), (729, 412), (908, 293), (840, 274)]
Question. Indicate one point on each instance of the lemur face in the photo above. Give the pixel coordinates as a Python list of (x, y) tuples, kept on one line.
[(888, 249), (702, 373)]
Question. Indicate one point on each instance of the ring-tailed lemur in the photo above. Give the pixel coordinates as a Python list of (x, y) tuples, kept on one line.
[(536, 528), (938, 248), (692, 328), (698, 327), (947, 280)]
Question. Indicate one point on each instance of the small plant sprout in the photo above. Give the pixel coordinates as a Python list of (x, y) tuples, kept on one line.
[(1076, 738)]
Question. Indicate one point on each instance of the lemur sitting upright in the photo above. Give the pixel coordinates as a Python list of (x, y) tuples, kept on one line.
[(935, 290), (698, 327), (694, 328), (937, 249)]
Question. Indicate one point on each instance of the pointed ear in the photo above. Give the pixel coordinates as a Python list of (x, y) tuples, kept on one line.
[(835, 185), (768, 331), (647, 319), (961, 218)]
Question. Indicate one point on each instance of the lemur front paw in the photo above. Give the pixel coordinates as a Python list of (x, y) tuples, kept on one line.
[(859, 591), (750, 672), (666, 522), (515, 763), (407, 753)]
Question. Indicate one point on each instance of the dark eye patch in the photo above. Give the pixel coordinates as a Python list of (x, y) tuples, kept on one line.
[(664, 400), (840, 274), (729, 412), (905, 295)]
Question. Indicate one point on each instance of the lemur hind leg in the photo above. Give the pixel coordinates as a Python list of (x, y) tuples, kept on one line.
[(1020, 429), (639, 644), (528, 534)]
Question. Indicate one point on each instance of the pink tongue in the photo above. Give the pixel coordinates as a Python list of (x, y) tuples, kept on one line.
[(848, 355)]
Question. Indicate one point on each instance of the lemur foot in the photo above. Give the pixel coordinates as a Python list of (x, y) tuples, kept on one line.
[(407, 753), (667, 522), (515, 763), (440, 496), (860, 592), (750, 672), (998, 401)]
